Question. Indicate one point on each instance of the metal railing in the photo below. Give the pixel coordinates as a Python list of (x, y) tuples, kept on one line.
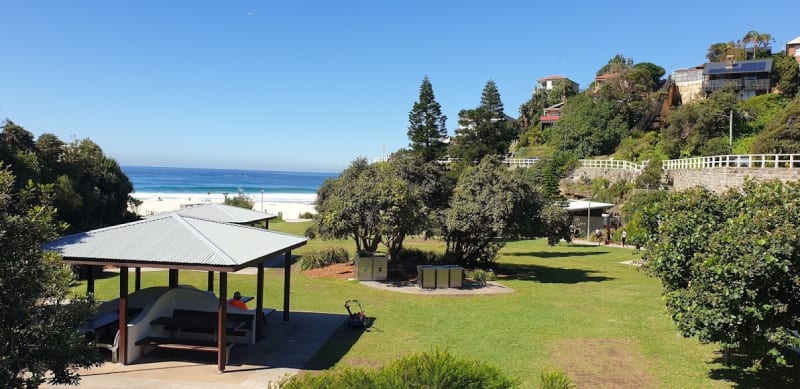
[(738, 84), (751, 161), (611, 164)]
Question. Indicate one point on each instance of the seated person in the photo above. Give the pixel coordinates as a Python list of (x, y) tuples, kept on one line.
[(237, 301)]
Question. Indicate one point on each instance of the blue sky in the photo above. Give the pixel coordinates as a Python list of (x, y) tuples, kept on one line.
[(309, 86)]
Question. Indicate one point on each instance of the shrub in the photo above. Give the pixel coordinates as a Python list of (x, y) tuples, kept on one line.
[(437, 369), (555, 380), (321, 258), (306, 215)]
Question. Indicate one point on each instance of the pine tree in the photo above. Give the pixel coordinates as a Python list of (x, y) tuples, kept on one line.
[(426, 129), (490, 99)]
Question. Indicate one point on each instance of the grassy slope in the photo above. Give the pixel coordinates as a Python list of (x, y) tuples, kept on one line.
[(574, 308)]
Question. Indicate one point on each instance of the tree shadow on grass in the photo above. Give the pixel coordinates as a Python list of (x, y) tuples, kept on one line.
[(338, 345), (555, 254), (738, 372), (548, 275)]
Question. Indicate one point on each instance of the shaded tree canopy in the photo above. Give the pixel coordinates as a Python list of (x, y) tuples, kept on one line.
[(484, 130), (90, 190), (37, 339), (426, 128), (729, 264)]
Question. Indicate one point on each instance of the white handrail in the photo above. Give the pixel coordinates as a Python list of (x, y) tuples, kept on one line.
[(749, 161), (611, 164)]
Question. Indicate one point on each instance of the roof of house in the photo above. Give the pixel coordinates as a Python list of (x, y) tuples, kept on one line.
[(553, 77), (605, 76), (583, 205), (794, 41), (739, 67), (175, 241), (223, 213), (548, 119)]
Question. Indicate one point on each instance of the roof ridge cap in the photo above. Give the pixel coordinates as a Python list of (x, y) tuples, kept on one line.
[(209, 243)]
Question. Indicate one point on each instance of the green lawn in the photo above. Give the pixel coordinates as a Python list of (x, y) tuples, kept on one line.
[(574, 308)]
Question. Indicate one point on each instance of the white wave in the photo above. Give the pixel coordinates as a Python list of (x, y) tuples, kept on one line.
[(301, 198)]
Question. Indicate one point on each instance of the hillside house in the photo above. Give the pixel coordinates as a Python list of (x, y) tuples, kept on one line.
[(549, 82), (749, 78), (793, 49), (689, 83), (551, 115)]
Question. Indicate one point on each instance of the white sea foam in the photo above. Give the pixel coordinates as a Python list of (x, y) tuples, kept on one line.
[(300, 198)]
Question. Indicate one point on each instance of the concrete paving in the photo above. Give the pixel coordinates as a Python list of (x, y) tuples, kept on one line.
[(283, 351)]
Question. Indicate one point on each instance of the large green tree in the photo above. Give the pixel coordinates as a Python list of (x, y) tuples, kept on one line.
[(730, 264), (588, 127), (490, 204), (373, 204), (39, 340), (90, 189), (485, 130), (426, 128)]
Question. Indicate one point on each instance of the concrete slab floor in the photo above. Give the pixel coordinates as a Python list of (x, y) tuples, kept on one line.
[(284, 350)]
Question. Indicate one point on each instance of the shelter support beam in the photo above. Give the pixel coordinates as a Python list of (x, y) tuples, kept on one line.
[(137, 284), (123, 316), (287, 275), (210, 281), (173, 278), (90, 279), (222, 318), (260, 300)]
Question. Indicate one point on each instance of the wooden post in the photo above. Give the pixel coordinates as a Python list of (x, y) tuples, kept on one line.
[(287, 271), (89, 279), (123, 315), (173, 278), (222, 317), (138, 282), (260, 300), (211, 281)]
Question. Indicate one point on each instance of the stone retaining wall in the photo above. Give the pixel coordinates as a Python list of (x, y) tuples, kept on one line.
[(721, 179)]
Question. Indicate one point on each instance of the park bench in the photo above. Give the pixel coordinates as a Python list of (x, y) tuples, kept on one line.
[(185, 344)]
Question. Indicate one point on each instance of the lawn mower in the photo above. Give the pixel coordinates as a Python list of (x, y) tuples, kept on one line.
[(357, 319)]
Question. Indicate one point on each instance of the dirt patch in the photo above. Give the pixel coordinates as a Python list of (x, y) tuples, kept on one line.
[(338, 270), (602, 363)]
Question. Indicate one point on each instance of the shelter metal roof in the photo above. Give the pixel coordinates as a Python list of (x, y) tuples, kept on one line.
[(175, 241), (583, 205), (223, 213), (794, 41)]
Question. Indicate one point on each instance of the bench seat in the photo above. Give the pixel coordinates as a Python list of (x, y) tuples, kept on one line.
[(185, 344)]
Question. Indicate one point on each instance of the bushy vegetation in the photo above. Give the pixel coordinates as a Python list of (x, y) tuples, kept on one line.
[(38, 342), (240, 200), (320, 258), (730, 265), (555, 380), (436, 369), (89, 190)]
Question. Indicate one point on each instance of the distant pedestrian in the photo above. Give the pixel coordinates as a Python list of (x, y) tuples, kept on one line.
[(624, 237), (598, 236)]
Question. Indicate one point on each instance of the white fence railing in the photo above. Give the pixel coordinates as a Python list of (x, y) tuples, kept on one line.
[(611, 164), (510, 162), (751, 161)]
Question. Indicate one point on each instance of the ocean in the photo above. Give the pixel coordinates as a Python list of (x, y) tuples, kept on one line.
[(197, 184)]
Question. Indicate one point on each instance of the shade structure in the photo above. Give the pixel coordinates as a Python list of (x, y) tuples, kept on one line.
[(175, 241), (222, 213)]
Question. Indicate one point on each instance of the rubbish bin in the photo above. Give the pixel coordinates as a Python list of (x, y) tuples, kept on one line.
[(439, 276), (372, 267)]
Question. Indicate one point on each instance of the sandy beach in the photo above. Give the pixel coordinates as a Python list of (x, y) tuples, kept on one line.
[(290, 211)]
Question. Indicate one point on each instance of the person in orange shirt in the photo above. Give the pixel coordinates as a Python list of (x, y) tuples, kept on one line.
[(237, 301)]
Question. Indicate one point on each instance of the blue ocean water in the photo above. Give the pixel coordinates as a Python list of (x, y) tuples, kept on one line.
[(211, 184)]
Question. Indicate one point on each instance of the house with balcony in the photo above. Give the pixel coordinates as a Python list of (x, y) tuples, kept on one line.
[(551, 115), (749, 78), (793, 49), (547, 83)]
